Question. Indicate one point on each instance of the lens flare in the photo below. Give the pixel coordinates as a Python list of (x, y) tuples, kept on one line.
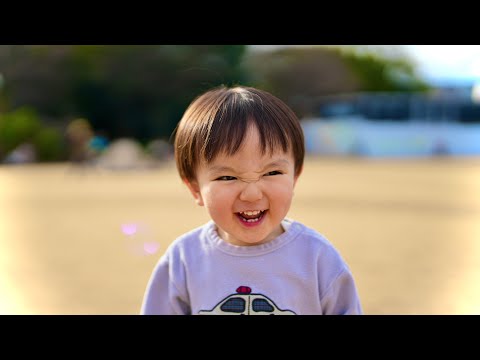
[(151, 247), (129, 229), (139, 239)]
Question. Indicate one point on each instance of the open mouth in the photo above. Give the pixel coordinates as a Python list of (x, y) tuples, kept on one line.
[(251, 216)]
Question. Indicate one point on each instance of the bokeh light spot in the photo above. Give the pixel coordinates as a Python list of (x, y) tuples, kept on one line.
[(129, 229), (139, 239), (151, 247)]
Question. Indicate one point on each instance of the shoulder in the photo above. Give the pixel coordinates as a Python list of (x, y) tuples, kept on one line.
[(333, 271), (318, 245), (311, 237)]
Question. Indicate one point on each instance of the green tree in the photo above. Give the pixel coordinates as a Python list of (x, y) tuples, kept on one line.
[(49, 145), (139, 91), (379, 73), (299, 76), (303, 76), (17, 127)]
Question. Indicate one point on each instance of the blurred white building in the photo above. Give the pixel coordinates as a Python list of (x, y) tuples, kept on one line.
[(443, 122)]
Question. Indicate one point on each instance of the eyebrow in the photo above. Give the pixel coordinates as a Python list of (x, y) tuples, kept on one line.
[(220, 168)]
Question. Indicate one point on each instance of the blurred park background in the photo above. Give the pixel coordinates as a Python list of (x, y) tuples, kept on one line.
[(90, 197)]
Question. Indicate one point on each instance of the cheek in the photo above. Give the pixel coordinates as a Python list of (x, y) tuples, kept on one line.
[(283, 198), (217, 198), (281, 191)]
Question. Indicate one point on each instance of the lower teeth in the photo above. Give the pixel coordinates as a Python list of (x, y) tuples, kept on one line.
[(252, 220)]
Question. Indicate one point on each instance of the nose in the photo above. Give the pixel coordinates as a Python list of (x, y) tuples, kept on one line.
[(251, 192)]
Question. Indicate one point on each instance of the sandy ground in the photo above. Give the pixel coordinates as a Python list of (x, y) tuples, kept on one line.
[(409, 229)]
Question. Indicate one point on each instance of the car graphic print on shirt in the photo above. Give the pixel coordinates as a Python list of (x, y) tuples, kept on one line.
[(246, 303)]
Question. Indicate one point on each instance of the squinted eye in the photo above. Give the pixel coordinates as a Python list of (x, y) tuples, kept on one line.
[(226, 178), (273, 173)]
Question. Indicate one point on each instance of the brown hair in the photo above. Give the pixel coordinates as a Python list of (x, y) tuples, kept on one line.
[(217, 121)]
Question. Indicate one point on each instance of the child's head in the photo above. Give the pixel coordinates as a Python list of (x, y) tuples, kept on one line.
[(240, 151)]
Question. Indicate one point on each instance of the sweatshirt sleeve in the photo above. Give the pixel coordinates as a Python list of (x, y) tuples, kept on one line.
[(341, 297), (163, 295)]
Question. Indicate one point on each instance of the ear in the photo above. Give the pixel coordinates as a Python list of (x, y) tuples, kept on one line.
[(195, 190)]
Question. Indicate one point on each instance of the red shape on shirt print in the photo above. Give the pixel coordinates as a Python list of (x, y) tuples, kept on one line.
[(244, 290)]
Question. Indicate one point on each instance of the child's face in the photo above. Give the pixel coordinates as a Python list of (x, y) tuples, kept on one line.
[(245, 186)]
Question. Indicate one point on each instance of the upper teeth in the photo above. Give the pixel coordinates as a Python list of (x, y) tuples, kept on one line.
[(251, 213)]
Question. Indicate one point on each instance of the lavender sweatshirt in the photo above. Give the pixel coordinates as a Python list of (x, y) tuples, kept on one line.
[(299, 272)]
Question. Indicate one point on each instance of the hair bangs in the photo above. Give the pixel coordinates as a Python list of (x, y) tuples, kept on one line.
[(227, 132), (231, 123)]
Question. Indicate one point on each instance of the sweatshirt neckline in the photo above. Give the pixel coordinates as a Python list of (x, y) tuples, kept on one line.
[(292, 230)]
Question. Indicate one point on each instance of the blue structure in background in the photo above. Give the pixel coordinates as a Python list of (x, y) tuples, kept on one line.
[(446, 122)]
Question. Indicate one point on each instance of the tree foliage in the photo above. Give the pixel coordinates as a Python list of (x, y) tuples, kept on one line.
[(17, 127), (302, 76), (138, 91), (382, 74)]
